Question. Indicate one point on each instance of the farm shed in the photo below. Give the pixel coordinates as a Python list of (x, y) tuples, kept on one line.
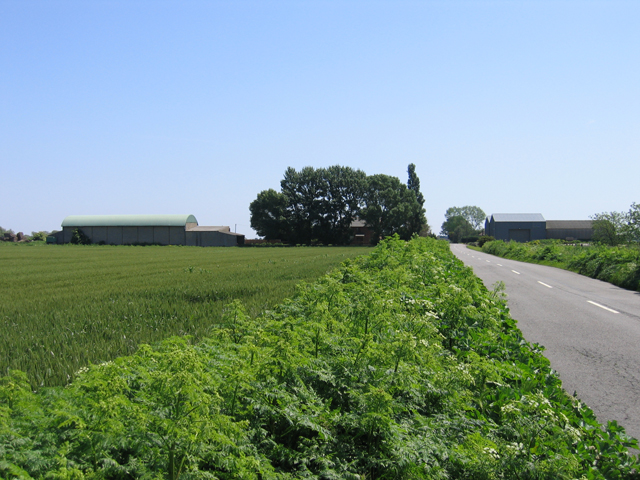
[(147, 229), (361, 234), (519, 227), (570, 229)]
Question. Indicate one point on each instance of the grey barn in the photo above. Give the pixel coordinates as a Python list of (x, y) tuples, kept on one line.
[(147, 230), (519, 227), (525, 227)]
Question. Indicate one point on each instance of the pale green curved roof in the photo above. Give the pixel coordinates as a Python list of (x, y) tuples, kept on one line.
[(128, 220)]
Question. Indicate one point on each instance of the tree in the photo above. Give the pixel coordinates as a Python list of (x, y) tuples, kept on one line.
[(633, 223), (472, 214), (319, 205), (268, 215), (610, 228), (389, 207), (303, 207), (457, 227), (40, 236), (342, 190), (418, 222), (322, 203)]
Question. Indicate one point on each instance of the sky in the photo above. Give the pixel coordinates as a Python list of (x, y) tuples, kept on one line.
[(194, 107)]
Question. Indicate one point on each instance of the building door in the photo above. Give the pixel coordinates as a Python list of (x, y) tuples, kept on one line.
[(520, 235)]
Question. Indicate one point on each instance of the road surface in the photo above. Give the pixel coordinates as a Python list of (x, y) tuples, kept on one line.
[(589, 328)]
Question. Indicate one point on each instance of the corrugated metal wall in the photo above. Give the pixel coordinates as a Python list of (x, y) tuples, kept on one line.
[(153, 235)]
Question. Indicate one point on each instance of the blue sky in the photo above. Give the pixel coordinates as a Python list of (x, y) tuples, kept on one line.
[(116, 107)]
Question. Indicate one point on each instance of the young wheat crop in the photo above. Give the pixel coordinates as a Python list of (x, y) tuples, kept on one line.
[(63, 307)]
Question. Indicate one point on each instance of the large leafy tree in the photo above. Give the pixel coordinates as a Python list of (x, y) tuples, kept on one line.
[(319, 205), (268, 215), (342, 190), (472, 214), (303, 210), (633, 222), (615, 228), (322, 203), (457, 227), (390, 207), (610, 228)]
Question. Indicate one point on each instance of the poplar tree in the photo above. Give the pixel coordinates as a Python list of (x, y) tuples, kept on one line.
[(418, 220)]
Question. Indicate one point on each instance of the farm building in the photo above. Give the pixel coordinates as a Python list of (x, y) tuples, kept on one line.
[(361, 234), (570, 229), (147, 229), (524, 227), (520, 227)]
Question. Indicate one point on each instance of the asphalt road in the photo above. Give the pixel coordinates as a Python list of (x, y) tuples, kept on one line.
[(590, 329)]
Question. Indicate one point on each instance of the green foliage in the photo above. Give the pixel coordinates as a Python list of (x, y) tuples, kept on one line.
[(398, 365), (472, 214), (470, 239), (482, 239), (322, 203), (608, 229), (390, 208), (268, 215), (418, 221), (63, 307), (79, 237), (615, 228), (632, 229), (618, 265), (39, 236), (318, 206), (456, 228)]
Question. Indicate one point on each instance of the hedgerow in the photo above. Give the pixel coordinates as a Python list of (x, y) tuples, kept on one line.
[(398, 365), (619, 265)]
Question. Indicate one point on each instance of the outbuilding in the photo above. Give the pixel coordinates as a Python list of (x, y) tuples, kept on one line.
[(147, 230), (519, 227), (570, 229)]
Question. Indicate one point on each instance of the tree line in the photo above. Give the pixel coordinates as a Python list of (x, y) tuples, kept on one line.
[(319, 205), (616, 228)]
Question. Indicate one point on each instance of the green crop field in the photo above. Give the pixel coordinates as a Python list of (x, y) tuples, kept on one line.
[(63, 307)]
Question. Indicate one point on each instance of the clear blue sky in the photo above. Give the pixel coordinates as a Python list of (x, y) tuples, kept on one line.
[(116, 107)]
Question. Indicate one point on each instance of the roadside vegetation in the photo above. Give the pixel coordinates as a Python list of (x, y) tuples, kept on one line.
[(63, 307), (619, 265), (397, 365)]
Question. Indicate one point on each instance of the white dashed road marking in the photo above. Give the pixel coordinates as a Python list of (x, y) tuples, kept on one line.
[(498, 264), (515, 272), (602, 306), (541, 283)]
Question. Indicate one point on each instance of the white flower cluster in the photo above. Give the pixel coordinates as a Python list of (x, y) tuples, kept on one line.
[(515, 448), (492, 452)]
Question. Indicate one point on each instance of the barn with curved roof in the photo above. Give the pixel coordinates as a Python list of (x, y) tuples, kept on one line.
[(147, 230)]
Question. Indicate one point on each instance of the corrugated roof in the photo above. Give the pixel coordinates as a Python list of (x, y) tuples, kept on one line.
[(569, 223), (210, 229), (128, 220), (518, 217)]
